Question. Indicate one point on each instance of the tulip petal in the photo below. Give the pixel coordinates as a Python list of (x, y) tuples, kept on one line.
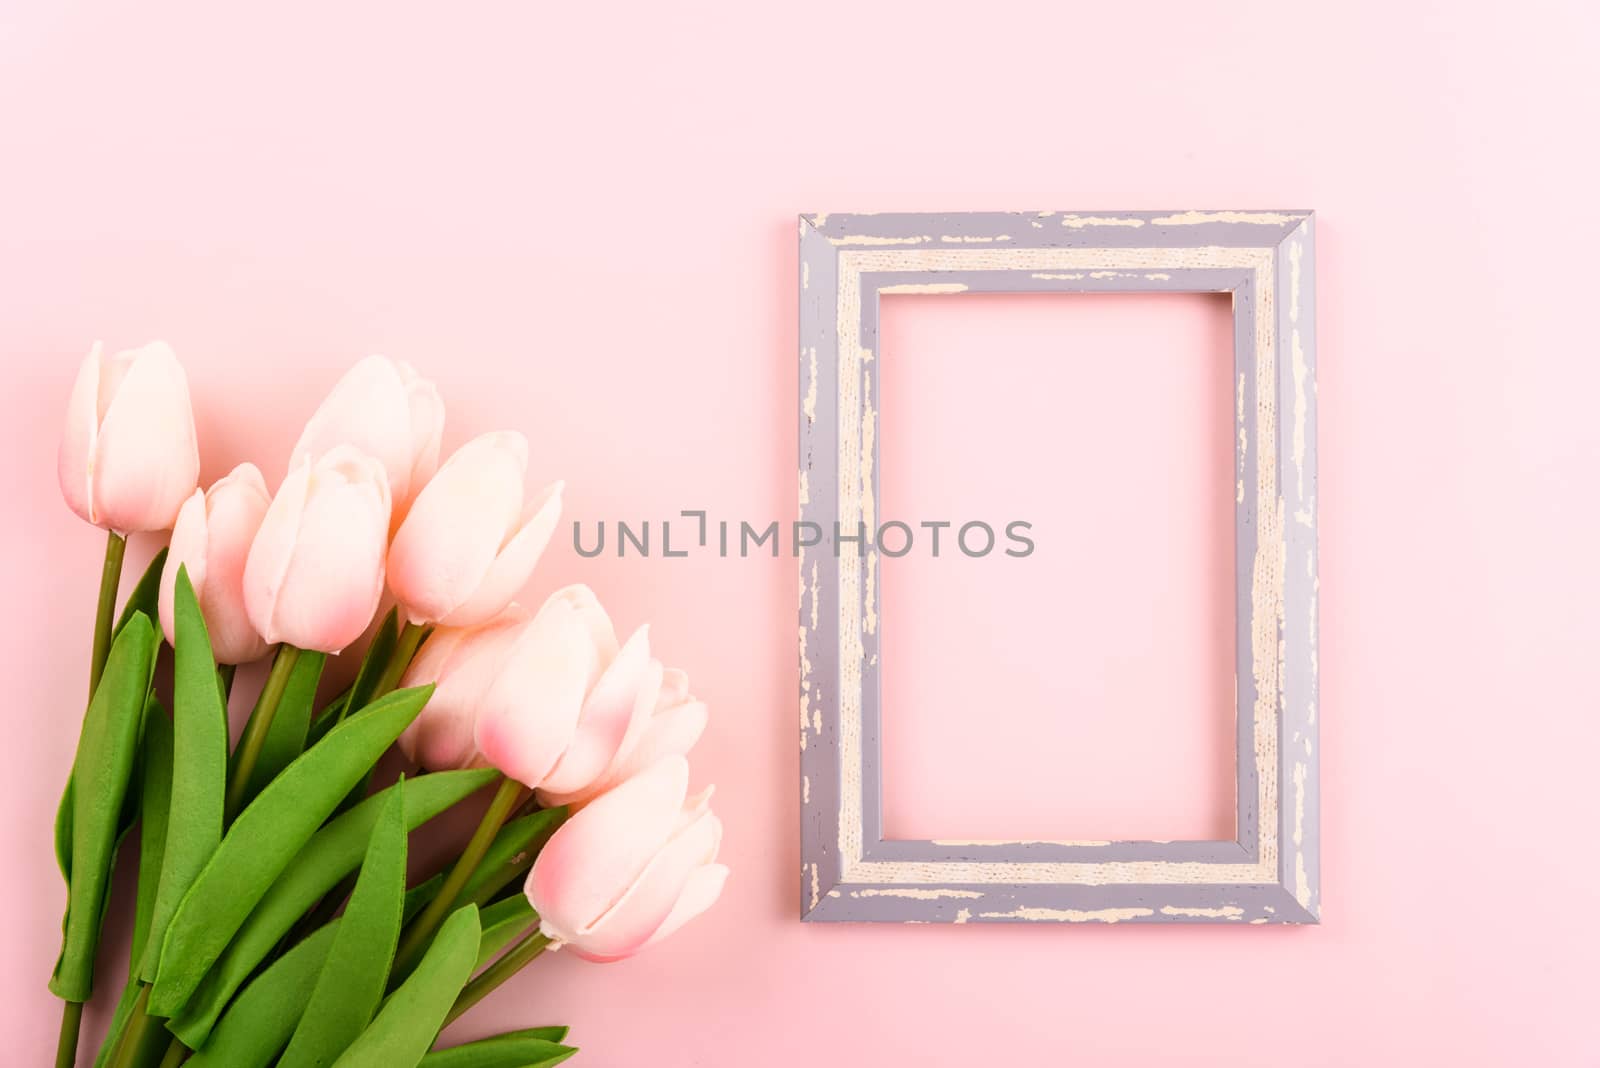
[(267, 564), (530, 710), (235, 507), (427, 427), (611, 706), (367, 408), (462, 666), (427, 667), (699, 893), (640, 912), (457, 525), (113, 369), (582, 600), (670, 733), (509, 571), (335, 579), (78, 438), (597, 854), (674, 689), (146, 460), (187, 548)]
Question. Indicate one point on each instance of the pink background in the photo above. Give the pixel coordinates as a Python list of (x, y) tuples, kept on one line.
[(580, 221)]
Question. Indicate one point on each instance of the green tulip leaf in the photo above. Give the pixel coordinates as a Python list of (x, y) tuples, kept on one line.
[(374, 663), (329, 718), (155, 774), (141, 601), (418, 896), (512, 853), (199, 767), (411, 1017), (64, 832), (365, 687), (264, 840), (119, 1018), (328, 857), (503, 923), (533, 1048), (154, 807), (262, 1018), (102, 769), (145, 592), (351, 984), (286, 734)]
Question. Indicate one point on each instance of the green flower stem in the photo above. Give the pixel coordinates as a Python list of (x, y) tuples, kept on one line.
[(420, 933), (513, 961), (411, 636), (255, 734), (67, 1044), (105, 613)]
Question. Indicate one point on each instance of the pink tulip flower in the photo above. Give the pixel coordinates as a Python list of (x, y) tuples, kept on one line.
[(508, 693), (128, 457), (315, 570), (387, 411), (525, 717), (631, 868), (212, 538), (470, 540)]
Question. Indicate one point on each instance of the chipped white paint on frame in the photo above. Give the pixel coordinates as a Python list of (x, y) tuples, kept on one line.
[(926, 288), (809, 405), (1225, 912), (915, 893), (1077, 222), (1114, 915), (1197, 218)]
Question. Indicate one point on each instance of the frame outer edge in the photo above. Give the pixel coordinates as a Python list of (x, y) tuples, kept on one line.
[(1290, 893), (820, 863), (1299, 745)]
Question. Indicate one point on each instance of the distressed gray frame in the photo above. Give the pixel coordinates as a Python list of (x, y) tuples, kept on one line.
[(1270, 872)]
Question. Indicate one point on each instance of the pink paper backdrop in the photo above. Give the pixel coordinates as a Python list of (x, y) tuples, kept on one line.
[(579, 220)]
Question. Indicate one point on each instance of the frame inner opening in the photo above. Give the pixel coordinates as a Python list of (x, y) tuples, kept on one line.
[(1084, 691)]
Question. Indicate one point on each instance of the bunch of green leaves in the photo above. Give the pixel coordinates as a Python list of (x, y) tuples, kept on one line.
[(234, 953)]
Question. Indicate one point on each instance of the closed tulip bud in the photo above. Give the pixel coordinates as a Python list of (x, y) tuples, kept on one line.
[(630, 868), (470, 541), (527, 712), (128, 457), (212, 537), (315, 570), (388, 412)]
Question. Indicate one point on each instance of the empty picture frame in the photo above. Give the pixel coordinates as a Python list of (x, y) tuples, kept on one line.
[(1269, 873)]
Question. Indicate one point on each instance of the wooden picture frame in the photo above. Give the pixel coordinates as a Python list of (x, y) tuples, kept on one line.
[(1269, 873)]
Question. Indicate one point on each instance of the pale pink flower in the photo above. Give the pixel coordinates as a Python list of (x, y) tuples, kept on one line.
[(388, 412), (630, 868), (212, 538), (315, 571), (128, 457), (471, 540)]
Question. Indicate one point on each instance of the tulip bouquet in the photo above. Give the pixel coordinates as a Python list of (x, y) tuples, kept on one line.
[(273, 922)]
